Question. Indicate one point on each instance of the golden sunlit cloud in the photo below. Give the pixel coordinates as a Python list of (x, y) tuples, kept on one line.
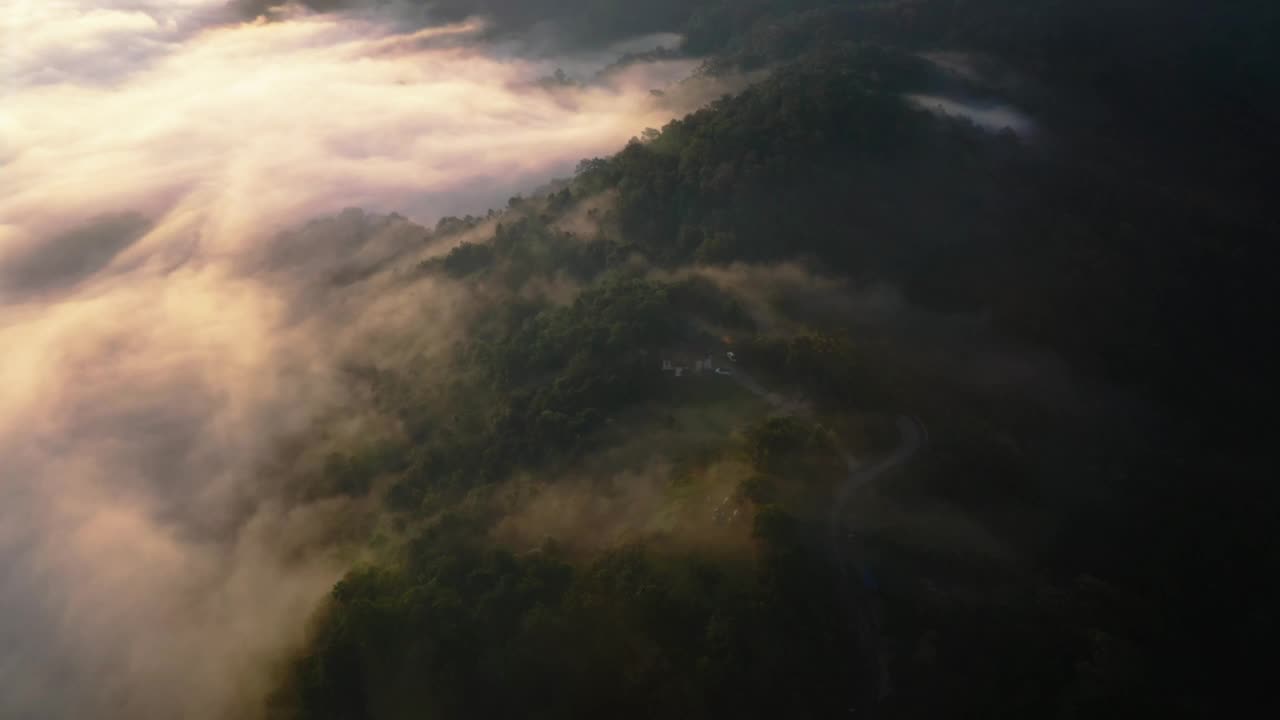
[(268, 122)]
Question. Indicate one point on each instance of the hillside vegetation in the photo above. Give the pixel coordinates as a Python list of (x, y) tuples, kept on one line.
[(1072, 311)]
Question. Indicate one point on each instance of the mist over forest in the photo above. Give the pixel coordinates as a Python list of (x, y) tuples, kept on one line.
[(375, 359)]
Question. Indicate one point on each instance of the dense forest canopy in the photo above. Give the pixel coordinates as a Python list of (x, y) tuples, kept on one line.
[(1124, 234)]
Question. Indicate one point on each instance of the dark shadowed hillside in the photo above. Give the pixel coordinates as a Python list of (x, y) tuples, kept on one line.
[(1075, 310)]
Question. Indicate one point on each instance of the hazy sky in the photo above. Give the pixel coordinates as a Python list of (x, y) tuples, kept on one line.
[(148, 153)]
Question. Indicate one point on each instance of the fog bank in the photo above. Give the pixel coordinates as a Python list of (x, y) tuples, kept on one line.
[(157, 343), (992, 117)]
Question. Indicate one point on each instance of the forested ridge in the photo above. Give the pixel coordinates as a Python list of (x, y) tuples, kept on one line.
[(1083, 304)]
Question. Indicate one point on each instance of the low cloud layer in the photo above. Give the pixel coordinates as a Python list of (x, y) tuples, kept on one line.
[(160, 334), (992, 117), (69, 257)]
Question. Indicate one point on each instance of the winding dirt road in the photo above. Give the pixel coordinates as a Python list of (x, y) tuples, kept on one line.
[(852, 570)]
